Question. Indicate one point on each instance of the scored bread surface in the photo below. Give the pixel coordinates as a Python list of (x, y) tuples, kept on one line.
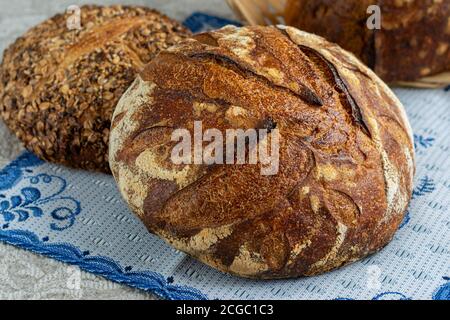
[(346, 152)]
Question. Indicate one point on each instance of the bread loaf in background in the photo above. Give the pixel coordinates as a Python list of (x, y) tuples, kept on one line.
[(346, 153), (413, 42), (59, 85)]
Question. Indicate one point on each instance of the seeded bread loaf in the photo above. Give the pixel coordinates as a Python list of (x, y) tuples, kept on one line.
[(58, 87), (346, 152), (413, 42)]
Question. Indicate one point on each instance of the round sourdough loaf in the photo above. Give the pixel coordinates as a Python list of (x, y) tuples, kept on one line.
[(413, 40), (345, 147), (59, 86)]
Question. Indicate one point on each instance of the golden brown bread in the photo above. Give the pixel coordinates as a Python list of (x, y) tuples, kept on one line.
[(58, 87), (413, 42), (346, 152)]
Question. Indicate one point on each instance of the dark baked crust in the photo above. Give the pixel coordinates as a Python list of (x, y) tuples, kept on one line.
[(58, 87), (414, 40), (346, 153)]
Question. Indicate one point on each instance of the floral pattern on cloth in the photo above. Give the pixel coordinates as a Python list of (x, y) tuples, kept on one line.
[(78, 217)]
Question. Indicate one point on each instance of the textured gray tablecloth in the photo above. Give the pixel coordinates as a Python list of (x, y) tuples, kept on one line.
[(24, 275)]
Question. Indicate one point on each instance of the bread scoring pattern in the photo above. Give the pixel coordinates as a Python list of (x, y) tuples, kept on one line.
[(346, 152)]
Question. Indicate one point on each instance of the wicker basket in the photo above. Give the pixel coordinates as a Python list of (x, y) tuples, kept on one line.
[(267, 12)]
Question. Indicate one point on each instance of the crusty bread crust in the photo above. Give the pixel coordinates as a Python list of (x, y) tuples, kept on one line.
[(346, 153), (58, 87), (413, 42)]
